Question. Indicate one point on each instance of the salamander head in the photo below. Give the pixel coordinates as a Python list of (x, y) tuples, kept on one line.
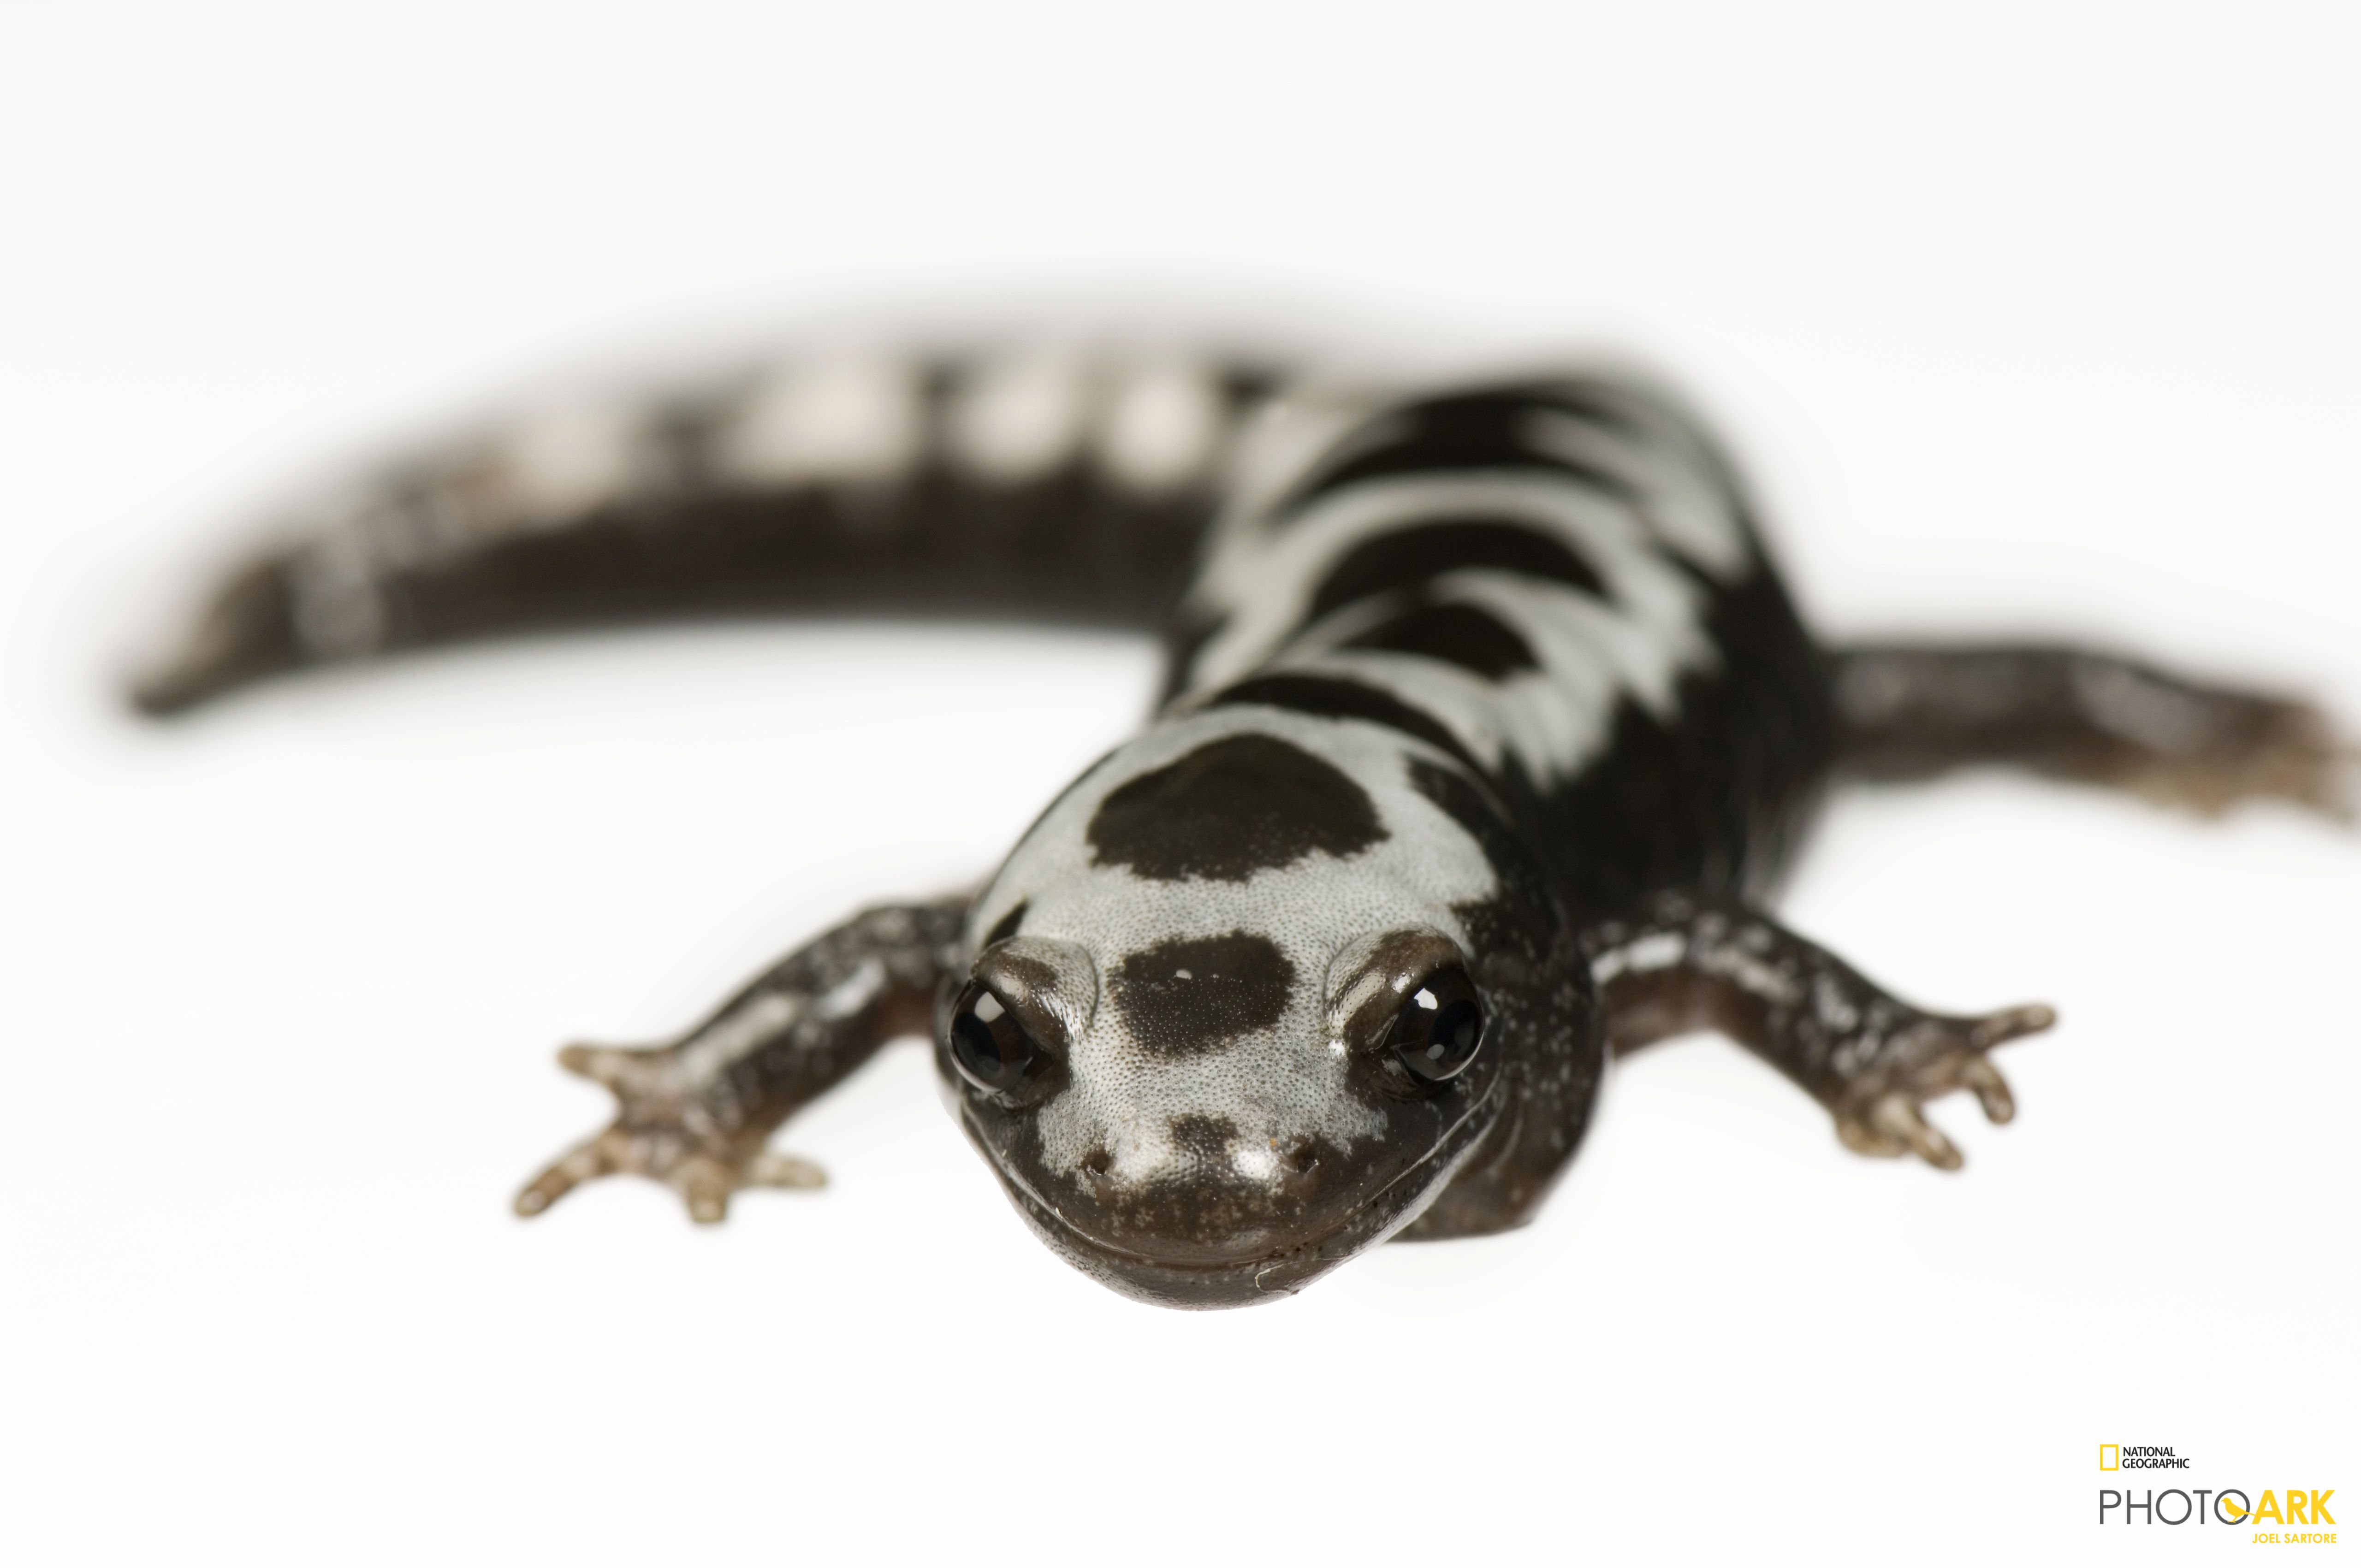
[(1229, 1021)]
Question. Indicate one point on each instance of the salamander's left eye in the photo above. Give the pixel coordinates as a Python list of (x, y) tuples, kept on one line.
[(1439, 1027), (990, 1048)]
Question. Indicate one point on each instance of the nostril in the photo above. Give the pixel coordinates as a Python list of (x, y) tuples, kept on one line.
[(1097, 1164), (1300, 1159)]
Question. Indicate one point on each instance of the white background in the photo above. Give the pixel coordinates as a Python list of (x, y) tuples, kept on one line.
[(2036, 317)]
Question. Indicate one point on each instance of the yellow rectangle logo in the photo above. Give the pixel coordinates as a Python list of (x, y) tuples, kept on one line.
[(2108, 1453)]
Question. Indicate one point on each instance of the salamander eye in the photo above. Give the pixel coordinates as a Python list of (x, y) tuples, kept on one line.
[(1439, 1027), (990, 1048)]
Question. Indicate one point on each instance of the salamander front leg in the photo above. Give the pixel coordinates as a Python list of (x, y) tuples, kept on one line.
[(696, 1115), (1683, 963)]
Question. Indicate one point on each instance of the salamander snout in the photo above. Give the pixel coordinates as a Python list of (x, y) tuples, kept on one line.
[(1236, 1112)]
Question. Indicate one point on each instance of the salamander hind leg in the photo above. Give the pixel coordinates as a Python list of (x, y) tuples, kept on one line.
[(1683, 963), (696, 1115), (1911, 711)]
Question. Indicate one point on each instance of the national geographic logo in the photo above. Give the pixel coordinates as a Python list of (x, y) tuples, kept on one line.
[(2300, 1512), (2115, 1456)]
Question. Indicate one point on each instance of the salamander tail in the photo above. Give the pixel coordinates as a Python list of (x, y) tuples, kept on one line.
[(245, 632)]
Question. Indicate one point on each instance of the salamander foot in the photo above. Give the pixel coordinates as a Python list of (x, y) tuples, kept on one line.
[(1879, 1111), (2255, 747), (665, 1133)]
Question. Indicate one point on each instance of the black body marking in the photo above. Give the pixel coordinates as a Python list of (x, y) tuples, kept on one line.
[(1523, 884), (1230, 809), (1330, 699), (1476, 430), (1411, 557), (1719, 798), (1460, 634), (1196, 994), (1205, 1139), (1490, 698)]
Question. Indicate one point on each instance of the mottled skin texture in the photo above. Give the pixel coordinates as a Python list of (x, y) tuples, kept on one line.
[(1488, 728)]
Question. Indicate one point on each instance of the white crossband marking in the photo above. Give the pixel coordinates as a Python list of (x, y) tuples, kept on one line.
[(1161, 428), (1019, 418), (848, 422), (559, 465)]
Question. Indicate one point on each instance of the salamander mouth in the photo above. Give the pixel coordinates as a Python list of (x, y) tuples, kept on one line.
[(1267, 1277)]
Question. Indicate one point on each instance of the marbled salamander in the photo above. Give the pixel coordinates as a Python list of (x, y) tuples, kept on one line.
[(1489, 725)]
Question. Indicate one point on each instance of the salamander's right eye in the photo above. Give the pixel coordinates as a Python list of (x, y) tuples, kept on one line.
[(989, 1047)]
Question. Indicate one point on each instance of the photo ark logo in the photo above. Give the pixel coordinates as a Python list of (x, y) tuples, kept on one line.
[(2299, 1515)]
